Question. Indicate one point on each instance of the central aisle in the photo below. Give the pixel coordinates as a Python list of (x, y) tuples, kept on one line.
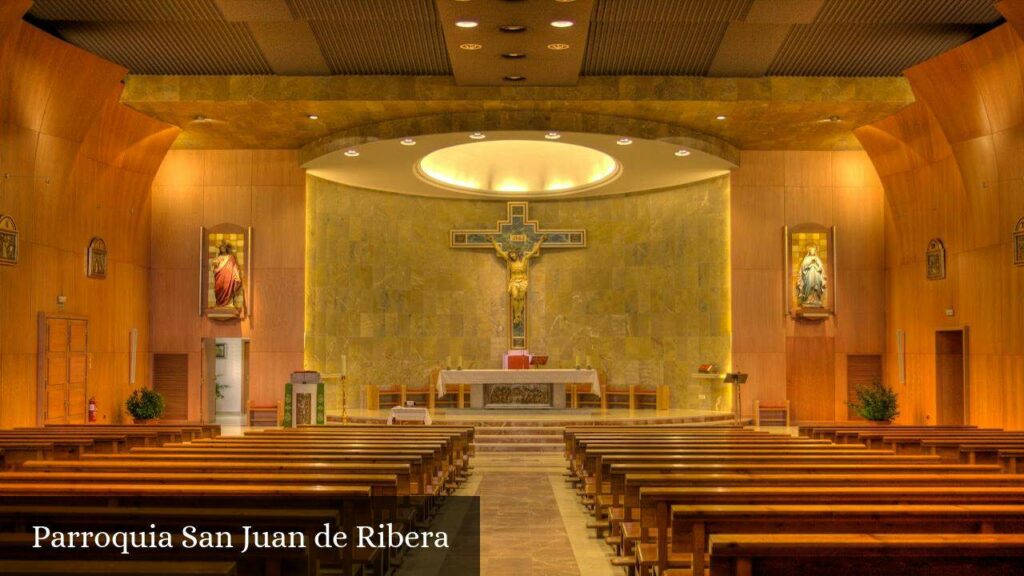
[(530, 519)]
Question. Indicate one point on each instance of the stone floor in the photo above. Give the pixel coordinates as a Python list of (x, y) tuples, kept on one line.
[(531, 522)]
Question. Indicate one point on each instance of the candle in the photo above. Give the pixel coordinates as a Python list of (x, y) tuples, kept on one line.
[(588, 361), (447, 362), (344, 366), (577, 360), (460, 362)]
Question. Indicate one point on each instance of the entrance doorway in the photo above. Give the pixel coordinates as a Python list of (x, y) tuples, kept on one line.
[(951, 393), (229, 379)]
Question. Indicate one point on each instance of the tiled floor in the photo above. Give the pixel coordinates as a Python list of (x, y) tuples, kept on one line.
[(531, 521)]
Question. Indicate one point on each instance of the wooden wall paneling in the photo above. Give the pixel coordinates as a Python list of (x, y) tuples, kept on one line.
[(767, 377), (857, 215), (810, 377), (277, 168), (757, 313), (760, 168), (61, 140), (228, 168), (227, 204), (808, 169), (277, 325), (176, 220), (279, 216), (758, 213), (1013, 11)]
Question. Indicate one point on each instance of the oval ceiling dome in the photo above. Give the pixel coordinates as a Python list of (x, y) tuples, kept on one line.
[(497, 167)]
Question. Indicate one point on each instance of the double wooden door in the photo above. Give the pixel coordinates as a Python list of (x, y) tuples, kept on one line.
[(63, 369)]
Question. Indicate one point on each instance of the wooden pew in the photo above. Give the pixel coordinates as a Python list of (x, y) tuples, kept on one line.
[(875, 554), (692, 525), (1009, 460), (655, 503)]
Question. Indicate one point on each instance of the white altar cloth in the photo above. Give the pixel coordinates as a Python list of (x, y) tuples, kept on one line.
[(411, 414), (538, 376)]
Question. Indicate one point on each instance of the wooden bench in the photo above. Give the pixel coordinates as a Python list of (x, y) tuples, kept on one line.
[(875, 554), (693, 525), (656, 503)]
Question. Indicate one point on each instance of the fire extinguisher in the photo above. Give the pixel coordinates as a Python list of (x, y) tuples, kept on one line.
[(92, 409)]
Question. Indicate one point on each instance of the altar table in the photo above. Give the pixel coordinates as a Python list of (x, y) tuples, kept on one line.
[(401, 414), (479, 380)]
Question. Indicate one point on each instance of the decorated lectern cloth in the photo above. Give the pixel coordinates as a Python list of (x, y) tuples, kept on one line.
[(569, 376), (403, 414)]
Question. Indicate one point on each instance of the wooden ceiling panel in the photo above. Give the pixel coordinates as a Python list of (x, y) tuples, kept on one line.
[(663, 37), (125, 10), (400, 37), (909, 11), (203, 47), (366, 47), (863, 49)]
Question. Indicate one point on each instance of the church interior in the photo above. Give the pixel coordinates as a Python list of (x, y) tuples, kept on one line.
[(561, 287)]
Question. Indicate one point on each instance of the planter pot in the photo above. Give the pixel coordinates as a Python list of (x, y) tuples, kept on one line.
[(881, 422), (145, 420)]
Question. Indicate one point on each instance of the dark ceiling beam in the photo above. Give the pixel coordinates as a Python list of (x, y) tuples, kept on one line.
[(288, 44), (749, 47)]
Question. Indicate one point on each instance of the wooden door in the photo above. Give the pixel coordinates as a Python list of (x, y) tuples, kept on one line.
[(208, 382), (170, 380), (950, 377), (861, 370), (63, 369)]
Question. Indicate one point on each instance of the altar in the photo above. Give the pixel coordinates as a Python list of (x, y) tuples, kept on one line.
[(517, 388)]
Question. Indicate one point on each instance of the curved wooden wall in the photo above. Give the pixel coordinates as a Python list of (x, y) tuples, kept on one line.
[(951, 167), (74, 163)]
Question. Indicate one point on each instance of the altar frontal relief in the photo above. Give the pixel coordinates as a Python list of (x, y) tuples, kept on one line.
[(646, 299)]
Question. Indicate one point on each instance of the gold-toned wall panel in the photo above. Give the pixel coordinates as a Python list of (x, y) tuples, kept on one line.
[(647, 299)]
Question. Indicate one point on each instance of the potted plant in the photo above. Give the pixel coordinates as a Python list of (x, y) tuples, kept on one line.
[(876, 402), (145, 406)]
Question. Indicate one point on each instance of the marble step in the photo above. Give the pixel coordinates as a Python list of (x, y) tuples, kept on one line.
[(519, 431), (516, 447), (517, 439)]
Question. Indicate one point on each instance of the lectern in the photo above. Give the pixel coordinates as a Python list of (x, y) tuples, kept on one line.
[(736, 379)]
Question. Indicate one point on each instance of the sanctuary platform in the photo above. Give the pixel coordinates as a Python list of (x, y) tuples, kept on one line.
[(535, 431)]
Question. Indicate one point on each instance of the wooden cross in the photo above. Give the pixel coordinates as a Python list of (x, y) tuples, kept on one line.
[(520, 235)]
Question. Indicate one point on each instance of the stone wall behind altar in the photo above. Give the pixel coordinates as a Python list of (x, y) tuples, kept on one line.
[(648, 299)]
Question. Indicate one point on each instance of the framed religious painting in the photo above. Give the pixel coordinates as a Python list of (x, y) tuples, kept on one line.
[(8, 241), (935, 260), (810, 256), (96, 259), (226, 261), (1018, 243)]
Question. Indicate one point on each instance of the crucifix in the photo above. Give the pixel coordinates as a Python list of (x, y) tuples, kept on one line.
[(516, 240)]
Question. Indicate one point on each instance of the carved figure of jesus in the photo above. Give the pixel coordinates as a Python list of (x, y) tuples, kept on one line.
[(518, 279)]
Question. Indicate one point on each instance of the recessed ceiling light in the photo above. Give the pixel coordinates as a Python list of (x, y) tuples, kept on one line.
[(467, 23), (558, 46), (199, 118), (478, 136), (513, 55), (682, 152), (512, 28), (312, 116), (351, 153), (470, 46), (515, 78), (552, 135), (407, 142), (623, 141), (562, 23), (721, 117)]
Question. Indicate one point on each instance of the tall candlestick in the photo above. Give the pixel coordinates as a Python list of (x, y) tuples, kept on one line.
[(447, 362), (344, 366), (588, 362), (460, 362)]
